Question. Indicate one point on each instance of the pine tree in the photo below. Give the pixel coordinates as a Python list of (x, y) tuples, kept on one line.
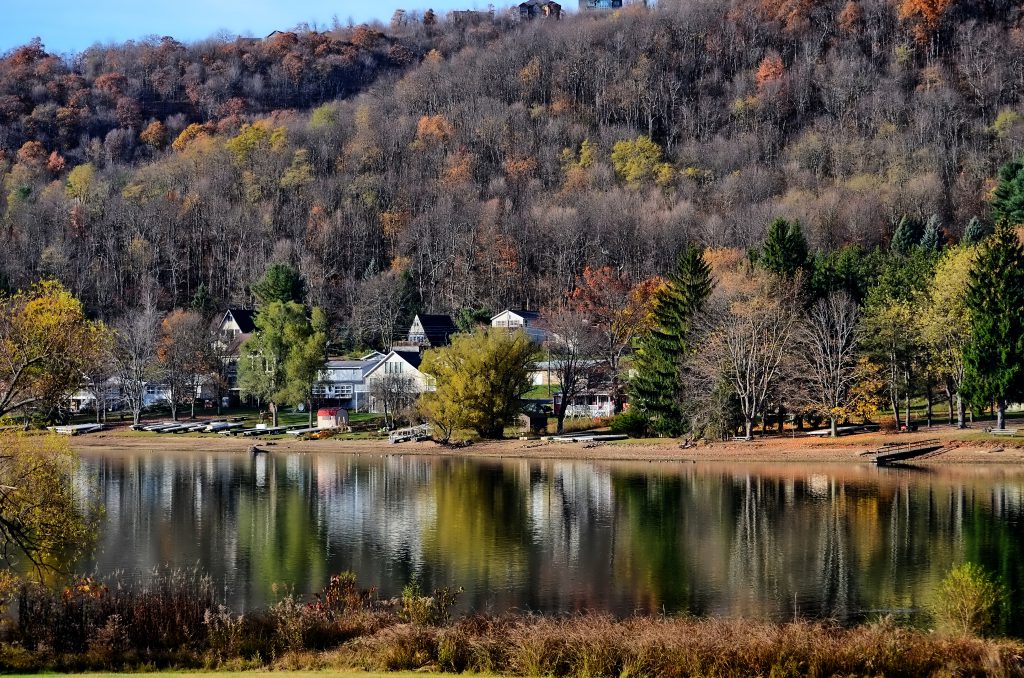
[(656, 386), (281, 283), (785, 249), (976, 231), (932, 239), (907, 234), (1008, 197), (994, 357)]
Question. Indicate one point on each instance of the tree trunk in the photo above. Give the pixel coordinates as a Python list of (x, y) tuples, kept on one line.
[(310, 405), (616, 393), (273, 414), (906, 405), (782, 417), (1000, 414), (928, 407), (749, 426), (960, 411), (949, 399), (835, 427), (174, 409), (560, 418)]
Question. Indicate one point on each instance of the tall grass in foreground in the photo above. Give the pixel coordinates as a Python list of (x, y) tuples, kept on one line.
[(175, 621)]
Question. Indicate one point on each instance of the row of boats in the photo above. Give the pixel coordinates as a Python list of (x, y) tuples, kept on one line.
[(225, 428)]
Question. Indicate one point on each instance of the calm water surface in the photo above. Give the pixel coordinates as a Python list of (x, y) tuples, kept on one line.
[(768, 540)]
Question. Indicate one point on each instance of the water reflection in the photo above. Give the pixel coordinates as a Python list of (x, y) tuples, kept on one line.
[(760, 540)]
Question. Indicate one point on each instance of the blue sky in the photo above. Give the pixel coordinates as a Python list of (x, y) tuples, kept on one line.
[(73, 25)]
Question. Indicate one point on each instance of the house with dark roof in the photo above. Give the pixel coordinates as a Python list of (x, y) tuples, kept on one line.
[(400, 363), (432, 331), (234, 328), (535, 9)]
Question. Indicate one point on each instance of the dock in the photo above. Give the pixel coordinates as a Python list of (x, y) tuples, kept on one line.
[(412, 433), (893, 452)]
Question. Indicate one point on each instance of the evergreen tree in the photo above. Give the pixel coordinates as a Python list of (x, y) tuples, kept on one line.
[(785, 249), (281, 283), (976, 231), (932, 239), (1008, 197), (202, 302), (657, 384), (994, 357), (908, 233), (851, 269)]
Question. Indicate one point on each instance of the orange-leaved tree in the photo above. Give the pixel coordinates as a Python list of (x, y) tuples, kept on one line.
[(618, 310)]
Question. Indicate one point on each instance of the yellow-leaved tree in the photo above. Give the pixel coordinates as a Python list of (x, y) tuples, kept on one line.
[(945, 322), (43, 525), (46, 347), (479, 380)]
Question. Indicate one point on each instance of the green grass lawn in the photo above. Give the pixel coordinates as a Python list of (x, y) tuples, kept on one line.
[(292, 674)]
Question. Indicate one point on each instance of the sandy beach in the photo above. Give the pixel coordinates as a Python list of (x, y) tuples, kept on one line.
[(971, 446)]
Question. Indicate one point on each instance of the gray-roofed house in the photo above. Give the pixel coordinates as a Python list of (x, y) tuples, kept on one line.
[(345, 381)]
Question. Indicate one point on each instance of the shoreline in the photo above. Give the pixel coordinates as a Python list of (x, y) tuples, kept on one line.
[(961, 447)]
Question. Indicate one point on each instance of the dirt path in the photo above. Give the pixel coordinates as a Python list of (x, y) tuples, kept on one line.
[(962, 447)]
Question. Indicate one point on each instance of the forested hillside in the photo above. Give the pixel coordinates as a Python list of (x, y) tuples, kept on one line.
[(482, 165)]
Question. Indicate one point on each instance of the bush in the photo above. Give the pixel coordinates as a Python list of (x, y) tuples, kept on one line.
[(971, 601), (434, 610), (632, 422)]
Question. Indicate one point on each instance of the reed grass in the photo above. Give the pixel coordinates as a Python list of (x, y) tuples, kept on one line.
[(174, 622)]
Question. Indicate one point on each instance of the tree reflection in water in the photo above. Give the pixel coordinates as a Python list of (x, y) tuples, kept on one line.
[(844, 541)]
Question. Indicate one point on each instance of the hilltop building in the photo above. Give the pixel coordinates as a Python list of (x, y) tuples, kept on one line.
[(537, 9)]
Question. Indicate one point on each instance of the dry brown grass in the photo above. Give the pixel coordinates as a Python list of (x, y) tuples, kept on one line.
[(591, 646)]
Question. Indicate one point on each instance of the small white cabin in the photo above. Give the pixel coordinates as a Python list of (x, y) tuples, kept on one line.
[(528, 321)]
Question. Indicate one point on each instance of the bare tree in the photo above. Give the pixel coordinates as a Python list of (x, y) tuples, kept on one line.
[(828, 341), (393, 394), (184, 356), (135, 342), (572, 347), (746, 337), (99, 380), (378, 311)]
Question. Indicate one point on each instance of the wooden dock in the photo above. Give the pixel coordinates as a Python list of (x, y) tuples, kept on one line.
[(894, 452)]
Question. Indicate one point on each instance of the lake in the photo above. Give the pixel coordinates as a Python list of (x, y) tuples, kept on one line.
[(765, 540)]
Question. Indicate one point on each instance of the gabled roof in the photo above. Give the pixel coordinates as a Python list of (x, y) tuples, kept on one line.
[(411, 356), (414, 358), (438, 328), (244, 318), (527, 315), (364, 365)]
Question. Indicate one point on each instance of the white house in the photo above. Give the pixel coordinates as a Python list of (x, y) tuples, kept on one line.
[(528, 321), (345, 381), (402, 363), (234, 328), (112, 396)]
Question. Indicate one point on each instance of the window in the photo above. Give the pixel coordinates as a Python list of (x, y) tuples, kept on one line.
[(392, 368), (344, 390)]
